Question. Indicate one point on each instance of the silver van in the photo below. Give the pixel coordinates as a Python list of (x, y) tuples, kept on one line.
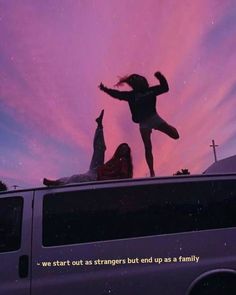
[(167, 236)]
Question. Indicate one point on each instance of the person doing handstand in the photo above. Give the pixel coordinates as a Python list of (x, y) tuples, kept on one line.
[(118, 167), (142, 104)]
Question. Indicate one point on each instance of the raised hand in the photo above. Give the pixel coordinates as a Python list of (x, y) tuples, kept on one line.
[(158, 75)]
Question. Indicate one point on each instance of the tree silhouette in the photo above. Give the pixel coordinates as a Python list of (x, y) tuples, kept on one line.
[(182, 172), (3, 186)]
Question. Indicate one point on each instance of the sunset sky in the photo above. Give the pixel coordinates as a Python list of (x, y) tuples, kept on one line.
[(54, 54)]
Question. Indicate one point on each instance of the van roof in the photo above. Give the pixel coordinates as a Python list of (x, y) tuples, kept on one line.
[(134, 181)]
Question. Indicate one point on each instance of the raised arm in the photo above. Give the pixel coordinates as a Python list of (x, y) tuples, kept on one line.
[(163, 87), (122, 95)]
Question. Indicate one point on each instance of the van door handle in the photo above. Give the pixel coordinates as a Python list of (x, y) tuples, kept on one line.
[(23, 266)]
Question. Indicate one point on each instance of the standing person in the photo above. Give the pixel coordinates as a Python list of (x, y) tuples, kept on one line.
[(118, 167), (142, 104)]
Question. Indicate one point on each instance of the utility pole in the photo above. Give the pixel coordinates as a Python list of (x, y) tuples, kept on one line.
[(213, 145), (15, 186)]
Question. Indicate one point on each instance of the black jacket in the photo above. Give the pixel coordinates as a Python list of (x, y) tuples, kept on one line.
[(142, 104)]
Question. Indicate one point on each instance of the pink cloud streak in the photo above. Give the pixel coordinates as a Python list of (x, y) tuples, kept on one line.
[(61, 53)]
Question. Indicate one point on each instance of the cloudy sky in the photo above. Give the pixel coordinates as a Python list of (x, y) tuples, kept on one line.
[(54, 53)]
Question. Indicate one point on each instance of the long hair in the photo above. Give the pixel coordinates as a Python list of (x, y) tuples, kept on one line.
[(127, 156), (135, 81)]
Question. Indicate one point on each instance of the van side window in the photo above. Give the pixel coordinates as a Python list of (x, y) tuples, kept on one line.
[(135, 211), (10, 223)]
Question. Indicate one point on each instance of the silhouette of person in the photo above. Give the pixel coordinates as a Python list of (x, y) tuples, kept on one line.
[(118, 167), (142, 104)]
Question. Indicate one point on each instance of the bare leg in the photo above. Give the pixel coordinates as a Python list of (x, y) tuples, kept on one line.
[(99, 146), (169, 130), (146, 137)]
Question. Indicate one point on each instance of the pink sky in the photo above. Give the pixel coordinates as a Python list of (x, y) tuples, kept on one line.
[(55, 53)]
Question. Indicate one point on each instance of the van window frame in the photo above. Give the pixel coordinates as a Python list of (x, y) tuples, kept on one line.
[(17, 224), (208, 183)]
